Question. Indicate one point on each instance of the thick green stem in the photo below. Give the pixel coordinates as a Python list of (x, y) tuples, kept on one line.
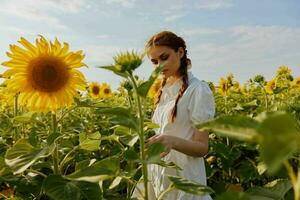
[(55, 152), (15, 137), (62, 163), (266, 97), (295, 180), (141, 136)]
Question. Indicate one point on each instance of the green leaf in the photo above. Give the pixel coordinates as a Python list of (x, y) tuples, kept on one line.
[(122, 130), (58, 188), (90, 142), (189, 186), (25, 118), (154, 151), (22, 155), (116, 182), (130, 154), (124, 121), (82, 164), (273, 190), (278, 139), (237, 127), (144, 87), (4, 169), (115, 70), (100, 170), (233, 195), (115, 111)]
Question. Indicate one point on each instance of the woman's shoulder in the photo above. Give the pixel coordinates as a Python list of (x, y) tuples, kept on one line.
[(197, 84)]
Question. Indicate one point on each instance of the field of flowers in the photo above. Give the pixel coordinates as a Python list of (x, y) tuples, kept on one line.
[(63, 138)]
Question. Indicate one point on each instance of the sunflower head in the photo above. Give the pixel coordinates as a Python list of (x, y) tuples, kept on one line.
[(128, 61), (105, 91), (284, 70), (296, 83), (223, 86), (154, 88), (44, 73), (94, 90), (270, 86), (230, 80), (245, 89)]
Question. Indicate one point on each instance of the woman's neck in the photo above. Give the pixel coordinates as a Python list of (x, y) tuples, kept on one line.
[(172, 79)]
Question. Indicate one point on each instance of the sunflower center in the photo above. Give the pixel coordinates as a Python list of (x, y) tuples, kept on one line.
[(95, 90), (106, 91), (48, 73)]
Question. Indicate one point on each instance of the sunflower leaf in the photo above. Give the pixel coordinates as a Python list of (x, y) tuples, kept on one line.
[(57, 188), (144, 87), (22, 155)]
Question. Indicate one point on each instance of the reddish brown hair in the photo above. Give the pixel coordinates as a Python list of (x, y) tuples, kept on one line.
[(171, 40)]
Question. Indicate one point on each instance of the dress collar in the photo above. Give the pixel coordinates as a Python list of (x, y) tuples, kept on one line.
[(174, 88)]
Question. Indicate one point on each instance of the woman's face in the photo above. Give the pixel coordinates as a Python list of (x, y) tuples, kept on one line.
[(166, 55)]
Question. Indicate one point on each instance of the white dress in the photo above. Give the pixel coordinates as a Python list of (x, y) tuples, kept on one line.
[(196, 106)]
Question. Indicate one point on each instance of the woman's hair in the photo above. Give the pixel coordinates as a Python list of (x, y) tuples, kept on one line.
[(171, 40)]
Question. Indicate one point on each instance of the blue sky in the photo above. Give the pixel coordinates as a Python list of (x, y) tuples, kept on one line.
[(243, 37)]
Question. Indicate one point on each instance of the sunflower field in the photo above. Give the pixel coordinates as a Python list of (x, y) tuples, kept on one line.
[(63, 138)]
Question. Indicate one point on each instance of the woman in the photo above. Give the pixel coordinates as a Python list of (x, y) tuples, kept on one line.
[(182, 102)]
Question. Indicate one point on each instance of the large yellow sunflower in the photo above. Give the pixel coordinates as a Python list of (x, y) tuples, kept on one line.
[(105, 90), (94, 90), (45, 73), (154, 88)]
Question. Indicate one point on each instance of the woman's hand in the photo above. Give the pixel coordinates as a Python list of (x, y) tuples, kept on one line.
[(167, 140)]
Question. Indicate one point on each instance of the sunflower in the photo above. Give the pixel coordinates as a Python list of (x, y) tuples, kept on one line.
[(105, 91), (94, 90), (211, 86), (296, 83), (154, 88), (270, 86), (45, 74), (223, 86), (284, 70), (6, 97)]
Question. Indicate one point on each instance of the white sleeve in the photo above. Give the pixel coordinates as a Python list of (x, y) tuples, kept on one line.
[(201, 107)]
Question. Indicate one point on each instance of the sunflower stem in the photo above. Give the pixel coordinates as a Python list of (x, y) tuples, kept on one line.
[(141, 136), (15, 137), (55, 152)]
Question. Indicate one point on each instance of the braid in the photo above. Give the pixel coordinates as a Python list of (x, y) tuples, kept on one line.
[(157, 99), (183, 72), (171, 40)]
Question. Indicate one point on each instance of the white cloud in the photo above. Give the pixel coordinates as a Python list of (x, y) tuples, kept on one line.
[(201, 31), (100, 54), (42, 10), (250, 50), (123, 3), (213, 4), (174, 17)]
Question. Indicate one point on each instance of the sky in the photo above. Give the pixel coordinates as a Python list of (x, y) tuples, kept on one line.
[(243, 37)]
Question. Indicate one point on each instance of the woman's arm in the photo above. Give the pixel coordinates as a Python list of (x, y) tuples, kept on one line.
[(197, 146)]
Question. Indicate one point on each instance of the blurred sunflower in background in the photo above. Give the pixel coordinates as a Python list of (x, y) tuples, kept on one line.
[(223, 86), (154, 88), (94, 90), (270, 86), (44, 73), (283, 70), (105, 91), (296, 83)]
